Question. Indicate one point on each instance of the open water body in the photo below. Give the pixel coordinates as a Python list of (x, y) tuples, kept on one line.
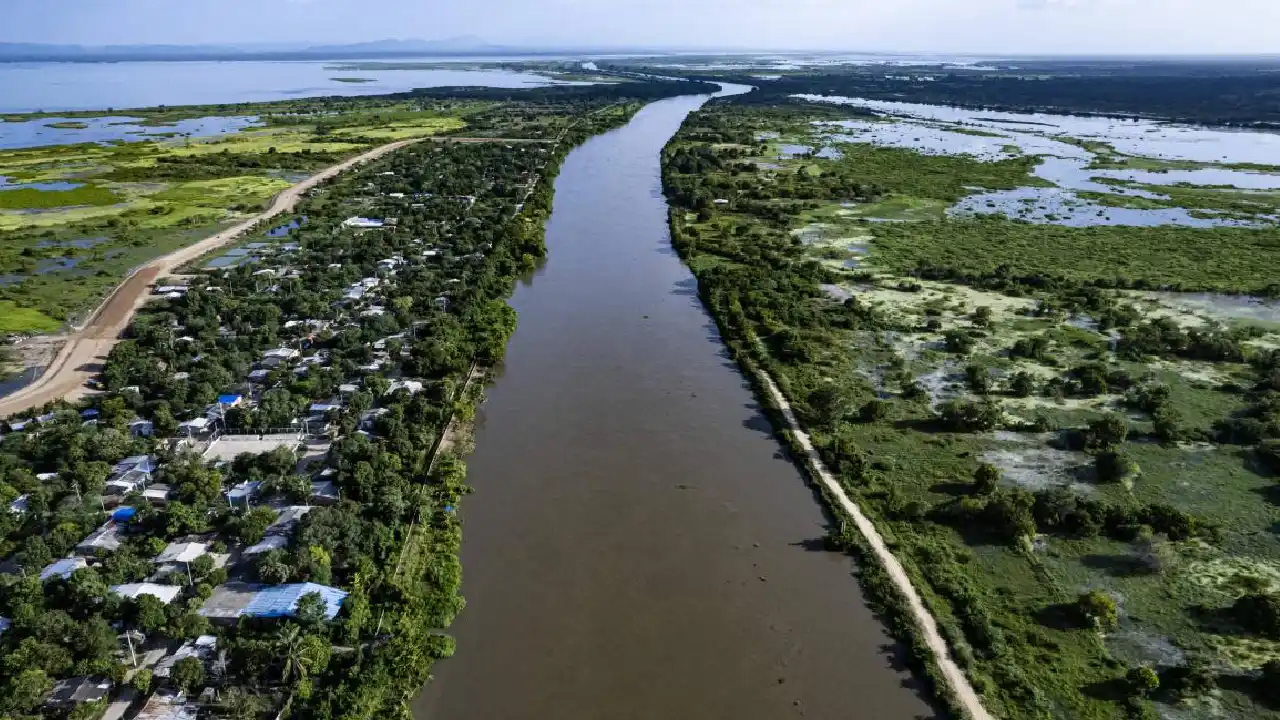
[(637, 547), (937, 130), (53, 86)]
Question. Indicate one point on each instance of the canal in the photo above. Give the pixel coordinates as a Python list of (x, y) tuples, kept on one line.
[(637, 546)]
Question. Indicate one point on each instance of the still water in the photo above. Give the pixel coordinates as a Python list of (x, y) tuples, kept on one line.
[(1069, 166), (637, 547), (51, 86)]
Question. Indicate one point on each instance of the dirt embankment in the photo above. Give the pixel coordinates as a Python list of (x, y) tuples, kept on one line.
[(86, 348), (957, 683)]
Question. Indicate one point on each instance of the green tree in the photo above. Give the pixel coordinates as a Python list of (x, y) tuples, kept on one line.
[(187, 674), (1022, 384), (1142, 681), (25, 691), (311, 610), (986, 479), (1114, 466), (828, 405), (1099, 609), (142, 681), (1108, 432)]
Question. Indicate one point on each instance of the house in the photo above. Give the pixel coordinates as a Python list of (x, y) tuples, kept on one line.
[(171, 290), (202, 648), (168, 705), (132, 481), (142, 428), (63, 568), (105, 538), (164, 593), (361, 222), (324, 492), (245, 492), (145, 464), (198, 426), (182, 552), (228, 401), (348, 388), (413, 387), (269, 543), (260, 375), (234, 600), (74, 691), (19, 505), (157, 494), (287, 519)]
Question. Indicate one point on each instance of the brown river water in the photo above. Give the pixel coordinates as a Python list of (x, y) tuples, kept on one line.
[(637, 546)]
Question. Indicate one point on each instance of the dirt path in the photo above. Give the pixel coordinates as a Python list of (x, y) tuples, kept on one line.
[(952, 674), (86, 349)]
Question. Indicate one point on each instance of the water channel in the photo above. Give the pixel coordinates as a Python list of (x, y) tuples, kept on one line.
[(637, 547)]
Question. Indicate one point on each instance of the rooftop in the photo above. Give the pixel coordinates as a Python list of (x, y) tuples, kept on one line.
[(235, 600), (164, 593)]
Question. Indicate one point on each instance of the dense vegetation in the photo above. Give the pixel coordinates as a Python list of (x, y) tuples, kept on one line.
[(1075, 476), (1209, 92), (464, 220)]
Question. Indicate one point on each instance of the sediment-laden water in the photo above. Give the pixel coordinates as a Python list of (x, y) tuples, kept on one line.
[(637, 546)]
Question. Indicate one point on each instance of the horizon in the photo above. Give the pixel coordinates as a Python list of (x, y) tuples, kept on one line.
[(1003, 28)]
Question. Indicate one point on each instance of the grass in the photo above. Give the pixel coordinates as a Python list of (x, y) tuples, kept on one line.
[(17, 319), (1218, 259), (88, 195)]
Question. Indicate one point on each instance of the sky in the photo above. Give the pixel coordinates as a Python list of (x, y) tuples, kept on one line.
[(943, 26)]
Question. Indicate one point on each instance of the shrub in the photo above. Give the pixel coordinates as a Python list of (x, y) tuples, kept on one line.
[(1098, 609), (1142, 681), (1114, 466)]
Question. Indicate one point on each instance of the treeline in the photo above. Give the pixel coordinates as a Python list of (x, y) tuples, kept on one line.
[(1233, 98)]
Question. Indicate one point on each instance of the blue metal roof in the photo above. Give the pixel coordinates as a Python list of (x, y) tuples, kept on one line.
[(229, 399), (282, 600), (123, 514)]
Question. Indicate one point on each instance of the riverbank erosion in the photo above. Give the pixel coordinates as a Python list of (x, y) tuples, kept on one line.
[(637, 546)]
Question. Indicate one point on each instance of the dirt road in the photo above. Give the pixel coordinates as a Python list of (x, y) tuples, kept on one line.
[(86, 349), (953, 676)]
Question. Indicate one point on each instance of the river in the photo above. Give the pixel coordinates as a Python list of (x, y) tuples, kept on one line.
[(637, 546)]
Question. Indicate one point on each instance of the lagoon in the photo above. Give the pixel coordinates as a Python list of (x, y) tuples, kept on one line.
[(56, 87)]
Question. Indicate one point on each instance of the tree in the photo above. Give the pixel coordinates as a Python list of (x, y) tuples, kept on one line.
[(1022, 384), (311, 611), (187, 674), (978, 379), (1099, 609), (873, 411), (252, 526), (149, 614), (142, 681), (1114, 466), (1107, 432), (982, 316), (986, 479), (1167, 425), (1192, 678), (963, 416), (828, 405), (25, 691), (1142, 681), (958, 342)]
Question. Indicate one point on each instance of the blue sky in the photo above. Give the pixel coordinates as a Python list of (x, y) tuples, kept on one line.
[(980, 26)]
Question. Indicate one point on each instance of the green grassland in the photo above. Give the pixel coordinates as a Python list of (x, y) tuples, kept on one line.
[(1122, 431), (143, 199)]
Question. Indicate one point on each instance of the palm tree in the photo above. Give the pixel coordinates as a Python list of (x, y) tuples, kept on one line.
[(289, 640)]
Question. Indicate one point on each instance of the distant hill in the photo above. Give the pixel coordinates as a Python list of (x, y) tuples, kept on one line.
[(466, 45)]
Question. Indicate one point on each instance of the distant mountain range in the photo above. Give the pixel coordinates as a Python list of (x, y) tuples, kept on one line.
[(465, 45)]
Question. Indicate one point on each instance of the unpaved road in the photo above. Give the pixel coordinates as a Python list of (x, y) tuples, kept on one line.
[(952, 674), (86, 349)]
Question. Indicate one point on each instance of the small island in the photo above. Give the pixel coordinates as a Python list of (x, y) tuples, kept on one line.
[(68, 125), (353, 79)]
